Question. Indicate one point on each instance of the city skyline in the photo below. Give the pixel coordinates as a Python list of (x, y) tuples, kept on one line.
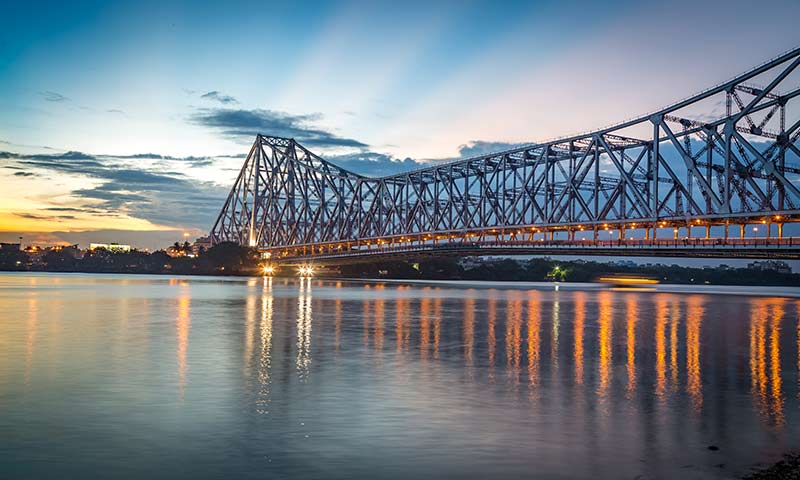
[(123, 124)]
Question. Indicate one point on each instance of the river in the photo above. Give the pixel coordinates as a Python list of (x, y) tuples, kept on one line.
[(133, 376)]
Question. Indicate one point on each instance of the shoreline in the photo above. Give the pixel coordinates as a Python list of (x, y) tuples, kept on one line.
[(674, 288)]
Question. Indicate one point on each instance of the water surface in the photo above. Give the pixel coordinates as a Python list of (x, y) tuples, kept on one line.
[(198, 377)]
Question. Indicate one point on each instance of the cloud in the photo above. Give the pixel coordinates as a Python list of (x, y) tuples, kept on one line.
[(219, 97), (52, 218), (477, 148), (24, 174), (54, 96), (374, 164), (115, 110), (248, 123), (162, 197)]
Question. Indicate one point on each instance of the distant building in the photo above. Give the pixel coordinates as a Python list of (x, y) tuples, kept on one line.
[(11, 246), (203, 243), (770, 265), (180, 250), (71, 250), (35, 252), (111, 247)]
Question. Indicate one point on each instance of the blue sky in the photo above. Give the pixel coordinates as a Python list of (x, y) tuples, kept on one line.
[(172, 92)]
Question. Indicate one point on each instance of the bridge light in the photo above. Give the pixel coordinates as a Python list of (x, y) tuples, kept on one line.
[(305, 270), (268, 269)]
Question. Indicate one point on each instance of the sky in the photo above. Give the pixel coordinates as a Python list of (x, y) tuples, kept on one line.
[(128, 121)]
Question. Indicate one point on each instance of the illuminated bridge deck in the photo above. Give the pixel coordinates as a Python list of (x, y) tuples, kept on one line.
[(754, 248)]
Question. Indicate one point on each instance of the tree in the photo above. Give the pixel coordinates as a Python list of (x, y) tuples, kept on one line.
[(230, 257)]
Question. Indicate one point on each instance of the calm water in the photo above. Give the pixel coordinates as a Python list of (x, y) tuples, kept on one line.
[(134, 376)]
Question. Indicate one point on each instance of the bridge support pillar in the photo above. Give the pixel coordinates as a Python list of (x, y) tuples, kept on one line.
[(726, 231), (708, 232), (769, 229), (780, 230), (595, 234), (622, 233), (741, 231), (551, 235)]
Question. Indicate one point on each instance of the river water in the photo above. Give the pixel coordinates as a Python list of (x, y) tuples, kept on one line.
[(112, 376)]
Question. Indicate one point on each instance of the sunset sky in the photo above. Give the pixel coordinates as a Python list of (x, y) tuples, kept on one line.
[(127, 121)]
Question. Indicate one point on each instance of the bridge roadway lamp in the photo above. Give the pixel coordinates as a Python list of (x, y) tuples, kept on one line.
[(268, 270)]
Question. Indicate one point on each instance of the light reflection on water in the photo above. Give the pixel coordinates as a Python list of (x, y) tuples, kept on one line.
[(238, 378)]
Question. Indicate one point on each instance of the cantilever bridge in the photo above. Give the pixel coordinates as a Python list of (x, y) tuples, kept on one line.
[(715, 175)]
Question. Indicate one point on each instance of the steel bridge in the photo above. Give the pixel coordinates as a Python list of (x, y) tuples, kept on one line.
[(714, 175)]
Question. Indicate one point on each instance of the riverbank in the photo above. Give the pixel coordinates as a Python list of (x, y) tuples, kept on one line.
[(787, 468), (232, 259)]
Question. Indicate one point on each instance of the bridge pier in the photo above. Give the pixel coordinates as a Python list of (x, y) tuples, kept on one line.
[(742, 228)]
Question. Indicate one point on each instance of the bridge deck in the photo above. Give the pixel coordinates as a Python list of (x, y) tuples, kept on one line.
[(760, 248)]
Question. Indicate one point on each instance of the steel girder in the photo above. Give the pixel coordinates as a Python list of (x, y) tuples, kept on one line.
[(679, 164)]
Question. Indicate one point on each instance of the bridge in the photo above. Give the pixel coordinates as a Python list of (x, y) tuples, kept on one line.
[(714, 175)]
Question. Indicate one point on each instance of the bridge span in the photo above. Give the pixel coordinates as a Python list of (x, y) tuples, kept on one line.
[(714, 175), (784, 248)]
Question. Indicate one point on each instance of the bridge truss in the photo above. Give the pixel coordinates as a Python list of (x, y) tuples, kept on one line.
[(727, 156)]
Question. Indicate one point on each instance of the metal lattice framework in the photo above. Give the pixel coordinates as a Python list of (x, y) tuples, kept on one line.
[(728, 155)]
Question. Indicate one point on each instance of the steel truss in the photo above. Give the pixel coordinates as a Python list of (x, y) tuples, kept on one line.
[(683, 165)]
